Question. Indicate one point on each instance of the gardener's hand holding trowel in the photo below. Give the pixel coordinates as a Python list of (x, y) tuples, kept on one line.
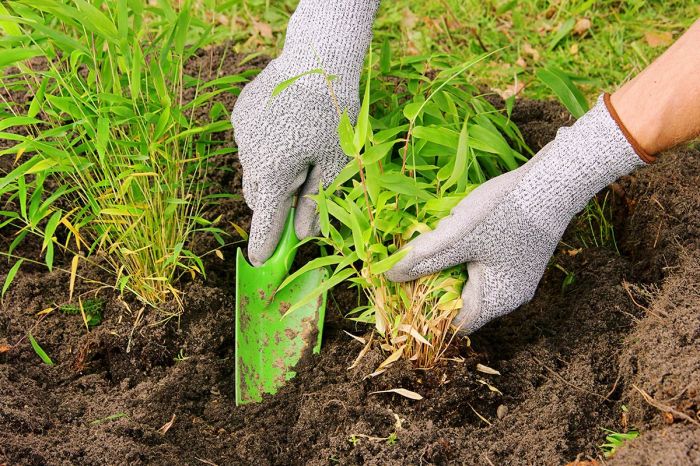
[(289, 144), (508, 228)]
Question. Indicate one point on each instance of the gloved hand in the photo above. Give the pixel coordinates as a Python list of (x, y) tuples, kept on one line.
[(507, 229), (289, 144)]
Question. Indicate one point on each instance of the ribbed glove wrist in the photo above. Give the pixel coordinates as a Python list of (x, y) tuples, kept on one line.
[(330, 34), (590, 155)]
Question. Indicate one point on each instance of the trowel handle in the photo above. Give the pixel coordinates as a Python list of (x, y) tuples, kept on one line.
[(283, 256)]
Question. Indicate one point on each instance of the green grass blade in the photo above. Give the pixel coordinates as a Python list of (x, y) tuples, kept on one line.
[(40, 351)]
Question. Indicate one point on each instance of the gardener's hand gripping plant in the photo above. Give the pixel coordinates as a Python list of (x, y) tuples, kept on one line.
[(428, 145), (113, 163)]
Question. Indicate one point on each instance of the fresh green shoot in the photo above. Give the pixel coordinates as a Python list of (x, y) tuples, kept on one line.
[(615, 440), (428, 143), (90, 308), (596, 227), (569, 278), (114, 162), (181, 356), (392, 439), (40, 351)]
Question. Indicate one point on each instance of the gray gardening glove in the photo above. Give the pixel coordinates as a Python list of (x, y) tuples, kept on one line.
[(289, 144), (507, 229)]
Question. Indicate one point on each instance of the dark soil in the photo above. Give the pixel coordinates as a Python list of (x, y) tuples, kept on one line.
[(569, 360)]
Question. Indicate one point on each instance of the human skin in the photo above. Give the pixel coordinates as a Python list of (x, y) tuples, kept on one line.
[(660, 107)]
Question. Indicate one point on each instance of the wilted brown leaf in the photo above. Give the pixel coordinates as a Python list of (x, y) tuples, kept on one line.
[(163, 430), (403, 392), (521, 62), (263, 29), (530, 50), (658, 39), (5, 348), (582, 26), (515, 89)]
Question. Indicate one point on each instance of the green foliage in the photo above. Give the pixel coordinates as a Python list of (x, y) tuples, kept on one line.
[(424, 146), (565, 90), (615, 440), (90, 308), (40, 351), (113, 162)]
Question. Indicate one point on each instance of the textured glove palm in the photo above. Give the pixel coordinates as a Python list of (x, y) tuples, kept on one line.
[(507, 229), (288, 145)]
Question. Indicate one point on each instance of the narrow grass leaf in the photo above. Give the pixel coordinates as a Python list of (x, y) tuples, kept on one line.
[(11, 276), (40, 351)]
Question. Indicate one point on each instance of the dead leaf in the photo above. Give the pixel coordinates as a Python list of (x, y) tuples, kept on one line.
[(668, 418), (487, 370), (573, 50), (409, 19), (515, 89), (658, 39), (521, 62), (163, 430), (355, 337), (392, 358), (583, 463), (219, 254), (263, 29), (403, 392), (5, 348), (582, 26), (530, 50)]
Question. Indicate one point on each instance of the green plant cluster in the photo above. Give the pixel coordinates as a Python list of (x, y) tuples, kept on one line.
[(91, 308), (111, 168), (423, 140)]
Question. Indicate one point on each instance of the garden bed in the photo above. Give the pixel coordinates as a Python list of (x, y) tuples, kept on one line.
[(568, 360)]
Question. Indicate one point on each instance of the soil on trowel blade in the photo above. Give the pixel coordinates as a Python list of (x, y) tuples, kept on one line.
[(134, 390)]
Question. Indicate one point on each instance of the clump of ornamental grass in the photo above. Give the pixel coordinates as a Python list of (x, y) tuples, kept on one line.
[(427, 144), (111, 167)]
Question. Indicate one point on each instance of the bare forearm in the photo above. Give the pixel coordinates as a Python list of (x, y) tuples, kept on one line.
[(661, 106)]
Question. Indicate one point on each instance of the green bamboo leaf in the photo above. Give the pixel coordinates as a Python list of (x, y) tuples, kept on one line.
[(40, 351), (50, 229), (438, 135), (387, 263), (11, 276), (136, 66), (94, 20), (563, 31), (459, 170), (8, 23), (314, 264), (288, 82), (569, 95), (320, 289), (38, 99), (346, 134), (385, 58), (10, 57)]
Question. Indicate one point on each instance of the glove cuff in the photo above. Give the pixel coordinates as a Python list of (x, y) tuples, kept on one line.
[(568, 172), (644, 155), (332, 35)]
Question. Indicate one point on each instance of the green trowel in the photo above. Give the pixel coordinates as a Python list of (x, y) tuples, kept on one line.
[(269, 343)]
